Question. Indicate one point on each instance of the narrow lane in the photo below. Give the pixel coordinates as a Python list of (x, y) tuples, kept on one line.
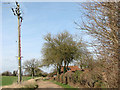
[(47, 84)]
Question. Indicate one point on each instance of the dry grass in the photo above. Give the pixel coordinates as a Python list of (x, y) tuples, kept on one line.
[(26, 84)]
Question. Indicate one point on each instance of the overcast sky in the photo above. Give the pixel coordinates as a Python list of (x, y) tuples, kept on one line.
[(38, 20)]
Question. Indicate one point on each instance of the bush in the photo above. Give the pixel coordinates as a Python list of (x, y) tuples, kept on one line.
[(52, 78), (81, 78), (76, 77), (51, 74), (89, 79), (44, 75), (99, 84), (58, 78), (68, 76), (6, 73), (86, 79), (61, 78), (65, 78), (14, 73)]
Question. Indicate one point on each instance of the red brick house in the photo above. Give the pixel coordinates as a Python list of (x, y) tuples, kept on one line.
[(70, 69)]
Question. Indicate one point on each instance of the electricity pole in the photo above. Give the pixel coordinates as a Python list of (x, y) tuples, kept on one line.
[(17, 13)]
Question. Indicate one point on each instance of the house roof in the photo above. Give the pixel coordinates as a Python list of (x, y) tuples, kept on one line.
[(72, 68)]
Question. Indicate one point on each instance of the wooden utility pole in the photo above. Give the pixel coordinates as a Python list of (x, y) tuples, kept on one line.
[(17, 13)]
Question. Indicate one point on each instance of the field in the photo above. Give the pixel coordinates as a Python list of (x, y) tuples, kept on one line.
[(8, 80)]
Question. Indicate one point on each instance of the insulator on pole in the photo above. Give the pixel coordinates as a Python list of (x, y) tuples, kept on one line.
[(16, 11), (14, 14), (17, 3), (12, 9)]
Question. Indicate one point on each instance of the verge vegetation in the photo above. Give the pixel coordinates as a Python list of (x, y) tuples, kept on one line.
[(8, 80)]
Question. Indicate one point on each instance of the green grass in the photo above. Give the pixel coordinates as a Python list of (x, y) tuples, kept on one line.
[(65, 86), (8, 80), (61, 84)]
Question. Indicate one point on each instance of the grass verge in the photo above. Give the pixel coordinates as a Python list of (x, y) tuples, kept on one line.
[(61, 84), (27, 85), (8, 80)]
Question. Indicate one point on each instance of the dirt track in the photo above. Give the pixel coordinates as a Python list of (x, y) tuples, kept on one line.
[(39, 82), (47, 84)]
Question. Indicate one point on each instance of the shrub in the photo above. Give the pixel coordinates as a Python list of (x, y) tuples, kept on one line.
[(65, 78), (6, 73), (61, 78), (86, 79), (14, 73), (58, 78), (76, 77), (52, 78), (99, 84), (83, 78), (90, 78)]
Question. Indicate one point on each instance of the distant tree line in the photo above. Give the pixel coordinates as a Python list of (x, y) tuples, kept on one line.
[(8, 73)]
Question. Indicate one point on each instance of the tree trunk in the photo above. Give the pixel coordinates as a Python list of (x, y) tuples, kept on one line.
[(64, 71), (57, 70), (67, 67), (32, 73), (60, 69), (81, 66)]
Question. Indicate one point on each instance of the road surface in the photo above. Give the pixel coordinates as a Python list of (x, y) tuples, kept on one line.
[(47, 84)]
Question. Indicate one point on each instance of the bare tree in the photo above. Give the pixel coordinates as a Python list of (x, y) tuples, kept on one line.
[(31, 66), (85, 57), (102, 23)]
